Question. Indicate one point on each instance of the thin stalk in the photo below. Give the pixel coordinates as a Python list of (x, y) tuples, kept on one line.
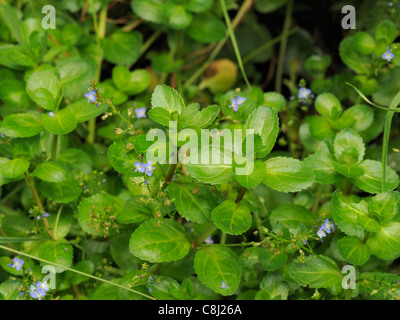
[(31, 185), (240, 195), (240, 15), (54, 148), (57, 221), (282, 49), (75, 271), (100, 30), (200, 239), (150, 41), (234, 42)]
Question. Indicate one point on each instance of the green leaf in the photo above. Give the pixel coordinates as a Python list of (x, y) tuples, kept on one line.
[(167, 98), (287, 174), (353, 250), (122, 47), (273, 285), (206, 28), (50, 171), (43, 88), (160, 115), (361, 115), (275, 100), (321, 128), (266, 6), (215, 264), (371, 180), (63, 122), (322, 164), (9, 17), (364, 43), (232, 218), (58, 252), (177, 17), (317, 272), (14, 168), (123, 160), (385, 244), (253, 179), (267, 257), (135, 211), (75, 74), (385, 206), (84, 111), (352, 58), (386, 32), (9, 289), (199, 5), (348, 147), (213, 172), (193, 206), (61, 192), (13, 92), (15, 57), (159, 241), (192, 116), (130, 82), (22, 125), (166, 63), (102, 206), (293, 217), (149, 10), (328, 106), (85, 266), (265, 122)]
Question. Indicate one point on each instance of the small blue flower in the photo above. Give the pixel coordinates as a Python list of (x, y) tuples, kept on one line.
[(91, 95), (140, 113), (148, 169), (224, 285), (304, 94), (305, 241), (150, 290), (37, 293), (46, 215), (51, 114), (42, 286), (139, 167), (321, 233), (18, 263), (388, 55), (328, 226), (236, 103), (145, 182), (150, 279), (38, 217), (209, 240)]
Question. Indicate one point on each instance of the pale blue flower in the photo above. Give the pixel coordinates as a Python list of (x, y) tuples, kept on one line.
[(236, 103), (42, 286), (388, 55), (18, 263), (304, 93), (321, 233), (139, 167), (224, 285), (91, 95), (140, 113), (51, 114), (209, 240), (148, 169), (45, 215), (37, 293)]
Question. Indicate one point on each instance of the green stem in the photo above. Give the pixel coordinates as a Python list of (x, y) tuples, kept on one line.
[(240, 195), (57, 221), (150, 41), (269, 44), (240, 15), (75, 271), (386, 134), (200, 239), (100, 30), (234, 42), (282, 49), (54, 148)]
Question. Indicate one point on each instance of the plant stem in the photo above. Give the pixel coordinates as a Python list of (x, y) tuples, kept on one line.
[(234, 42), (31, 185), (57, 221), (240, 195), (54, 148), (75, 271), (100, 30), (200, 239), (242, 12), (282, 49)]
